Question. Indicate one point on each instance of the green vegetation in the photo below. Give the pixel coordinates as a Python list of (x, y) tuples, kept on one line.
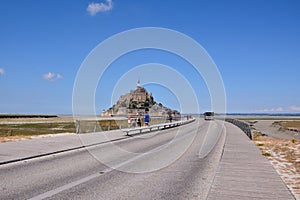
[(123, 104), (132, 105), (146, 104), (256, 134), (26, 116), (265, 153), (29, 129), (115, 109)]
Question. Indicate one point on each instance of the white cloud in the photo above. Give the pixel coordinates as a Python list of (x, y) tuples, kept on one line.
[(279, 109), (58, 76), (294, 108), (94, 8), (2, 71), (50, 76)]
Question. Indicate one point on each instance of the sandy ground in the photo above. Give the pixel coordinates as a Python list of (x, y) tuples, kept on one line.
[(282, 148), (284, 155), (22, 137), (266, 127), (14, 138)]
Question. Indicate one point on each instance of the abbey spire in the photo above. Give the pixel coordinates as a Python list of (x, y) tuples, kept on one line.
[(138, 85)]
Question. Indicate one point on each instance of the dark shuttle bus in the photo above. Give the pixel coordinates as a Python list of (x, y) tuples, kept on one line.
[(209, 115)]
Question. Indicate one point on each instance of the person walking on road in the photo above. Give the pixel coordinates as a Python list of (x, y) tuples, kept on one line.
[(139, 121), (129, 121), (170, 118), (133, 123), (147, 118)]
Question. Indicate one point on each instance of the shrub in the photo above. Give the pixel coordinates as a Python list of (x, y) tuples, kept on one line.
[(265, 153)]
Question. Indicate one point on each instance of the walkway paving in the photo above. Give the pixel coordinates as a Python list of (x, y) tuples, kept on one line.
[(244, 173)]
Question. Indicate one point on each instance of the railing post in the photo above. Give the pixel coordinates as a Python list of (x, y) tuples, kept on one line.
[(77, 126), (95, 128)]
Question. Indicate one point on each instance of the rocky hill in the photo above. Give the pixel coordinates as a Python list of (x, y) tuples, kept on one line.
[(136, 102)]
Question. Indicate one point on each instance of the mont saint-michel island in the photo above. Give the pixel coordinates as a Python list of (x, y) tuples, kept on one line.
[(137, 102)]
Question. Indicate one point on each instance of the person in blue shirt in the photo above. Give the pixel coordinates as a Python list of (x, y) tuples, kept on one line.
[(147, 118)]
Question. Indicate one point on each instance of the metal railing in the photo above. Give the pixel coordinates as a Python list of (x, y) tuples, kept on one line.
[(157, 126), (94, 126)]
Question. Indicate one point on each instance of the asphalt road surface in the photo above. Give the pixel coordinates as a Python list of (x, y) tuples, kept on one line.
[(175, 163)]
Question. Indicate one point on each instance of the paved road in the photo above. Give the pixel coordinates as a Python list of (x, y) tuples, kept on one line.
[(178, 163)]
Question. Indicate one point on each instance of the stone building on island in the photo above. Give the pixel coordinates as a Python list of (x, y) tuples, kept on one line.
[(136, 102)]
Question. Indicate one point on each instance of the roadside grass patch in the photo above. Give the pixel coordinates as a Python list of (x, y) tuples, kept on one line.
[(36, 129), (260, 144), (265, 153), (256, 135)]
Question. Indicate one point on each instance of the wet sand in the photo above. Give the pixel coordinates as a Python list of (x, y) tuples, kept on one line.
[(266, 127)]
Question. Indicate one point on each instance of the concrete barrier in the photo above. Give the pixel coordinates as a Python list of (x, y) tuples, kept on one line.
[(242, 125)]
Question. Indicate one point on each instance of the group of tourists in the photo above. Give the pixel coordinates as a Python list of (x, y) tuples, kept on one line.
[(138, 121)]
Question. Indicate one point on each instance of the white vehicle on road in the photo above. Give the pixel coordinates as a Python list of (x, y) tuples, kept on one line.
[(209, 115)]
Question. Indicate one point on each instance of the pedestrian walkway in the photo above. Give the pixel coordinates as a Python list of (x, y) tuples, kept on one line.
[(244, 173)]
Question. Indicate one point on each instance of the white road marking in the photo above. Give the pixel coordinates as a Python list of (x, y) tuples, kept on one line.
[(88, 178), (65, 187)]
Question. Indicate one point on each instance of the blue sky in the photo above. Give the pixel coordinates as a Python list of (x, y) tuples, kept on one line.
[(255, 45)]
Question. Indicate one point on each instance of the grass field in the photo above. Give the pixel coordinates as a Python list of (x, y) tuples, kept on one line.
[(30, 126), (29, 129)]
